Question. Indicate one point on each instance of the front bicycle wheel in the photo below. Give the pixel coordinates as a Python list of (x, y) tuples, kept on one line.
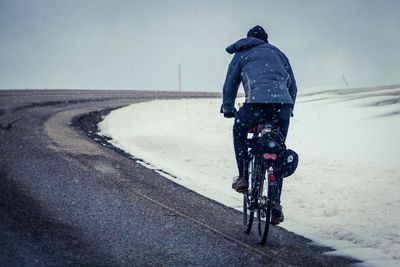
[(248, 214), (248, 198)]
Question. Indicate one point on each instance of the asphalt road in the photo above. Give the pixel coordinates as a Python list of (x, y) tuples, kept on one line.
[(67, 200)]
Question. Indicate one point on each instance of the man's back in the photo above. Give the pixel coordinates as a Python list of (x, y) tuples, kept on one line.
[(264, 71)]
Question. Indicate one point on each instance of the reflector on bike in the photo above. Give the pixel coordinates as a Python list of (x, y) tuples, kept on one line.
[(270, 156)]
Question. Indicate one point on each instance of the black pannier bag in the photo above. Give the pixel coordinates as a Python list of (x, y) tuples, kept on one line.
[(288, 162), (270, 142)]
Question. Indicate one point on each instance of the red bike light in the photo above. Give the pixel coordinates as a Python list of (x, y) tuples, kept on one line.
[(270, 156), (271, 178)]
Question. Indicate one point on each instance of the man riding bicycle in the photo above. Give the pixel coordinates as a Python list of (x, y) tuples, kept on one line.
[(270, 90)]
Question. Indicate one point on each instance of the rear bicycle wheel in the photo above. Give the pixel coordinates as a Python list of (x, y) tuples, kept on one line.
[(264, 209), (264, 219)]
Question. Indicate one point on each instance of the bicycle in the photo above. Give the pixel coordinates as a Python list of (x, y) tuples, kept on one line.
[(265, 153)]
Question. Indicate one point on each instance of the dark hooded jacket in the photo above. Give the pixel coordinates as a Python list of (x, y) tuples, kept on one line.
[(263, 69)]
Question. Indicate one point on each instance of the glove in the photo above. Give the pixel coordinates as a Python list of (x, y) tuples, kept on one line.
[(228, 114)]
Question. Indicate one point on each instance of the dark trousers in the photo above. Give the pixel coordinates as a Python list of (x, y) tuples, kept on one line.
[(248, 117)]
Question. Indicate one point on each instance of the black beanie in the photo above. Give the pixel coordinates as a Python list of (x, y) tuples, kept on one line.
[(259, 33)]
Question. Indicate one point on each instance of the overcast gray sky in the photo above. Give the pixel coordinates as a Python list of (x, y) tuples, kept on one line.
[(139, 44)]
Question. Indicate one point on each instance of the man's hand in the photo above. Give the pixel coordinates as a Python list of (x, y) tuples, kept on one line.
[(228, 113)]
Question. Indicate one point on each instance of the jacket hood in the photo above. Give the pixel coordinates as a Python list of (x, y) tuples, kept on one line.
[(243, 44)]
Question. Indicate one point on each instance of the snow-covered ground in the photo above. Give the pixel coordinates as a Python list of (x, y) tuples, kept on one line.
[(345, 192)]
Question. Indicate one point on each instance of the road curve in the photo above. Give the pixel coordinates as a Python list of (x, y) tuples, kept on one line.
[(66, 200)]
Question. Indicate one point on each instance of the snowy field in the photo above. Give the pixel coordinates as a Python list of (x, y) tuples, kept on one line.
[(344, 194)]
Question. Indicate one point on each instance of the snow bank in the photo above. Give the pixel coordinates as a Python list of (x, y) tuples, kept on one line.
[(345, 191)]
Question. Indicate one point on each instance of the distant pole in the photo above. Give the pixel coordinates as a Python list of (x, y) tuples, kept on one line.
[(345, 81), (179, 77)]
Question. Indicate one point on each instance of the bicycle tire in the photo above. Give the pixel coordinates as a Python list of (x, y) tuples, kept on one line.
[(264, 209), (264, 223), (248, 215)]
